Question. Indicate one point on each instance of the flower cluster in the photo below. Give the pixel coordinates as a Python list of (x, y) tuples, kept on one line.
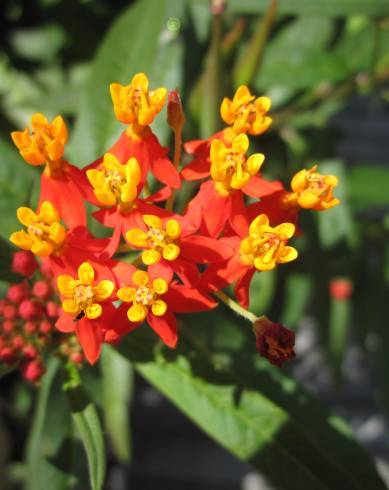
[(28, 315), (237, 224)]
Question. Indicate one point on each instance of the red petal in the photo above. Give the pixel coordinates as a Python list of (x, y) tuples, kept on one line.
[(160, 195), (165, 327), (220, 275), (216, 209), (187, 272), (90, 336), (202, 250), (192, 147), (184, 299), (242, 288), (162, 269), (238, 219), (65, 323), (107, 217), (259, 187), (164, 171), (198, 168)]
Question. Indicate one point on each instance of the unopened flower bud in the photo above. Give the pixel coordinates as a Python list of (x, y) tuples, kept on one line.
[(10, 312), (18, 342), (17, 292), (8, 355), (8, 326), (341, 288), (32, 370), (24, 263), (51, 309), (274, 341), (42, 290), (76, 357), (45, 326), (30, 352), (30, 327), (175, 112), (30, 309)]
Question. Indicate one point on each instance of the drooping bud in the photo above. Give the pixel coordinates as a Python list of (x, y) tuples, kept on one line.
[(274, 341), (175, 112), (24, 263)]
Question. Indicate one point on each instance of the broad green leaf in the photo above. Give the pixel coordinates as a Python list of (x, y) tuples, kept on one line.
[(254, 411), (117, 385), (336, 224), (309, 7), (368, 186), (89, 428), (133, 44), (16, 181)]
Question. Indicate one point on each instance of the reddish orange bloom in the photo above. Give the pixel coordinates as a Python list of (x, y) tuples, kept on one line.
[(260, 248), (153, 296), (86, 308), (137, 105), (61, 183)]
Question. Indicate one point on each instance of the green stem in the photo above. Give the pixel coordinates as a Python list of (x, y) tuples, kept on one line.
[(176, 162), (234, 306)]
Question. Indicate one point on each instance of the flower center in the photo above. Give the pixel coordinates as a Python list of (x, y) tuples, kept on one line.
[(83, 296), (145, 296)]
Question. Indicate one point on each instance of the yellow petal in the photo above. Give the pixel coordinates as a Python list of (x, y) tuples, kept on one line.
[(257, 223), (21, 239), (173, 229), (254, 163), (288, 254), (94, 311), (65, 284), (308, 199), (152, 221), (111, 162), (42, 249), (48, 213), (160, 286), (86, 273), (150, 257), (133, 171), (57, 233), (136, 237), (225, 111), (141, 81), (106, 197), (137, 313), (263, 266), (240, 144), (171, 251), (95, 177), (239, 180), (70, 306), (140, 278), (216, 147), (285, 230), (126, 294), (159, 307), (104, 290), (299, 181), (263, 104), (129, 192), (26, 216)]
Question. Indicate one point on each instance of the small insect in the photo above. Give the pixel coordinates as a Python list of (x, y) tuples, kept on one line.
[(79, 316)]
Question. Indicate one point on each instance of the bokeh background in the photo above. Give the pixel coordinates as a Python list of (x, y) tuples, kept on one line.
[(325, 65)]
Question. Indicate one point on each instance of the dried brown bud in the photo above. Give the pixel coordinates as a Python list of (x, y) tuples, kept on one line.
[(175, 112), (274, 341)]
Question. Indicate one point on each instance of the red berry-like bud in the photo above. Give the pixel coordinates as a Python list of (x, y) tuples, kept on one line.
[(30, 309), (18, 342), (30, 351), (3, 304), (341, 288), (32, 370), (45, 270), (45, 326), (24, 263), (9, 312), (17, 292), (30, 327), (8, 326), (76, 357), (274, 341), (8, 355), (52, 309), (42, 290)]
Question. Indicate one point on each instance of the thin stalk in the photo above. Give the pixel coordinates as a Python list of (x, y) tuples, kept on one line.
[(234, 306), (176, 161)]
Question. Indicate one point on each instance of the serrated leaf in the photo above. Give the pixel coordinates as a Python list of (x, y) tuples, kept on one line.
[(254, 411), (307, 7)]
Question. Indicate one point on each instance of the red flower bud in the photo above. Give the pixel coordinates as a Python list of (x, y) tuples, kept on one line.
[(3, 304), (274, 341), (30, 351), (42, 290), (45, 326), (30, 327), (18, 342), (24, 263), (30, 309), (76, 357), (52, 309), (8, 326), (175, 112), (17, 292), (10, 312), (341, 288), (8, 355), (32, 370)]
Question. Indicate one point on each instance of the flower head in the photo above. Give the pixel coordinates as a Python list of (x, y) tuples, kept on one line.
[(313, 190), (45, 143), (230, 168), (246, 113), (114, 183), (44, 234), (274, 341), (265, 247), (135, 104), (82, 297), (159, 241), (144, 297)]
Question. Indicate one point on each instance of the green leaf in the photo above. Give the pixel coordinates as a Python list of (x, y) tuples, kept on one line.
[(254, 411), (308, 7), (335, 224), (368, 186), (117, 384), (298, 290), (89, 428), (132, 44)]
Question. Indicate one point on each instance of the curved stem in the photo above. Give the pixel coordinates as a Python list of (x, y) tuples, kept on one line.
[(233, 305)]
